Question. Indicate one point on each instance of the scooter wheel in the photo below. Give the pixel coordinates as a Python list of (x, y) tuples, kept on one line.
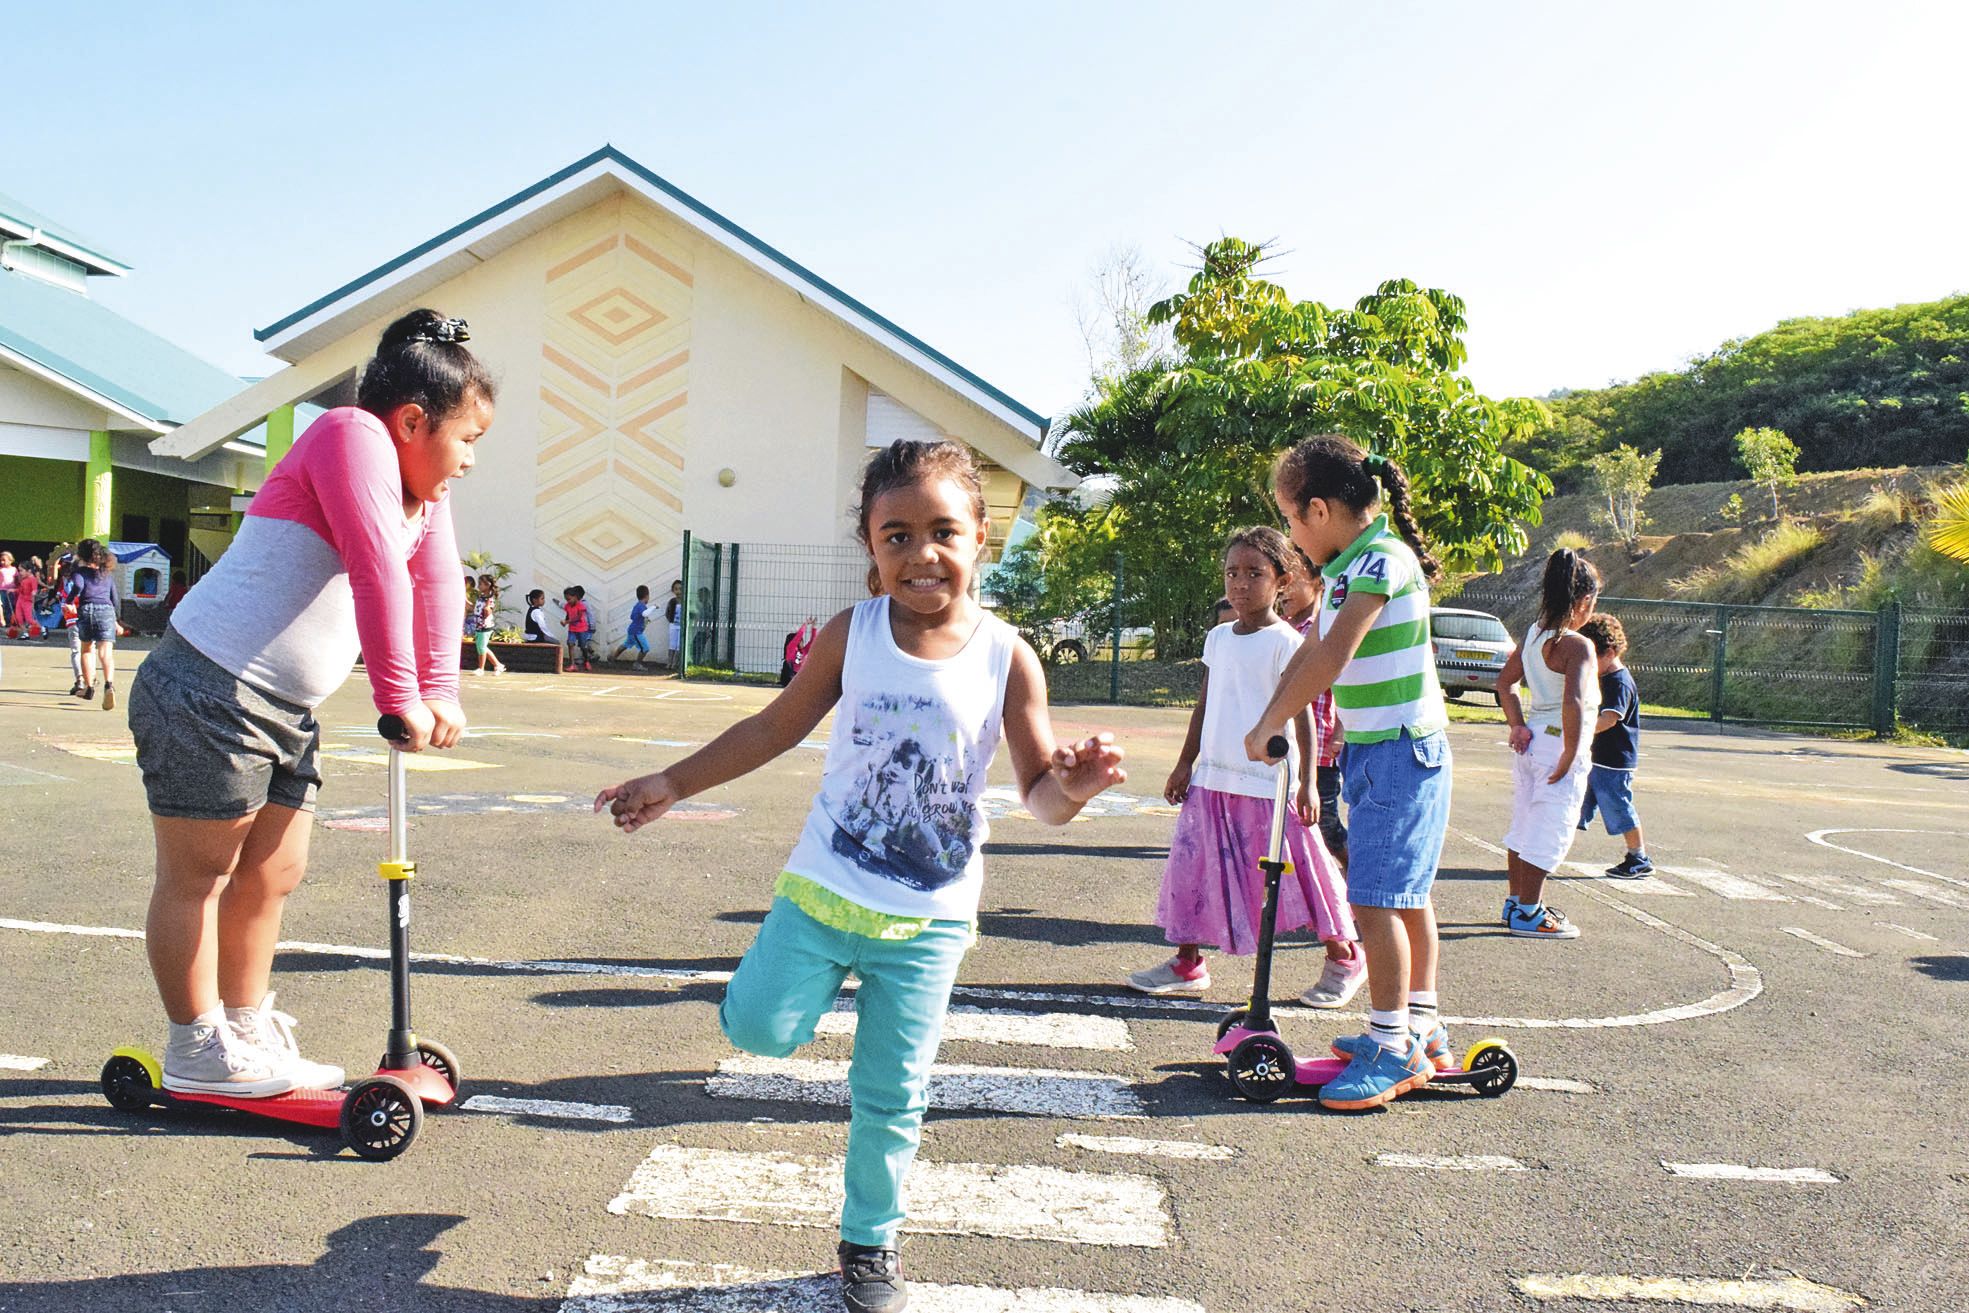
[(1231, 1019), (444, 1062), (1262, 1069), (126, 1084), (1493, 1071), (380, 1117)]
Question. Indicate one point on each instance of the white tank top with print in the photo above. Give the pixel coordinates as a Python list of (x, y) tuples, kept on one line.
[(899, 824)]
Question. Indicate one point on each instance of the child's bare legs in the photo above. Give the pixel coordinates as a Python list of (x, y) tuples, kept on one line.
[(87, 674), (1341, 950), (1527, 881), (105, 653), (271, 864), (1401, 953), (1633, 839), (195, 861), (1189, 952)]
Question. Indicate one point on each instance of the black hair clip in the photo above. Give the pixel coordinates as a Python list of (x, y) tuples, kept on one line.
[(445, 330)]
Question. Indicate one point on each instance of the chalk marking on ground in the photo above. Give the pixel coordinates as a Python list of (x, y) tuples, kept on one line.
[(1016, 1202), (1469, 1162), (1746, 981), (6, 766), (1840, 950), (1051, 1030), (1556, 1085), (1851, 892), (584, 1112), (1647, 884), (1029, 1090), (1909, 931), (1922, 891), (1737, 888), (17, 1062), (609, 1284), (1785, 1295), (1738, 1172), (1128, 1144), (1818, 837), (1813, 899), (55, 928)]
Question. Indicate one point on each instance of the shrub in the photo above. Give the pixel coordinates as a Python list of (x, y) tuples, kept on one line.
[(1749, 571), (1573, 539)]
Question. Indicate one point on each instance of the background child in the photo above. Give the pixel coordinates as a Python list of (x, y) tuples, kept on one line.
[(485, 619), (7, 572), (96, 599), (1616, 747), (27, 584), (638, 621), (1212, 889), (899, 914), (538, 628), (580, 628), (1549, 775), (1374, 653), (673, 619)]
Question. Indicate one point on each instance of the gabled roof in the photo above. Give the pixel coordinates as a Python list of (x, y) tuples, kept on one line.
[(574, 188), (96, 354), (18, 223)]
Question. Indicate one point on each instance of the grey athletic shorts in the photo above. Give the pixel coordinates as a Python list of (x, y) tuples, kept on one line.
[(213, 748)]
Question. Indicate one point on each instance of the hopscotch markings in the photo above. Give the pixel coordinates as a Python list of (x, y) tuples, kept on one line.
[(1818, 837), (1018, 1203), (1647, 884), (1766, 1175), (9, 769), (656, 743), (15, 1062), (1928, 892), (1734, 887), (1127, 1144), (1469, 1162), (1556, 1085), (1854, 893), (584, 1112), (1909, 931), (1839, 949), (1029, 1090), (428, 762), (1786, 1295), (610, 1285), (1051, 1030)]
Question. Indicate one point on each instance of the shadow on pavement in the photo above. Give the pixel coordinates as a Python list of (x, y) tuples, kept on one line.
[(99, 1119), (1944, 966), (325, 962), (374, 1264), (1135, 851)]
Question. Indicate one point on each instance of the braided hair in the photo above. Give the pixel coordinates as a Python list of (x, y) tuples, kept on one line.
[(1333, 468)]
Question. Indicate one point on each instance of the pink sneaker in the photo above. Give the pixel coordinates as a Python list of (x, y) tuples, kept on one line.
[(1172, 977)]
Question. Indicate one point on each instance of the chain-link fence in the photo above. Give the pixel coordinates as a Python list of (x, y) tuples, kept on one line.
[(743, 601)]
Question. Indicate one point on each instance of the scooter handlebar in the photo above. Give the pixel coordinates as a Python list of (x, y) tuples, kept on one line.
[(1277, 748), (393, 729)]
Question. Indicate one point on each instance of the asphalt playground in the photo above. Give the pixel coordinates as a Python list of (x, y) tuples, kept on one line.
[(1743, 1087)]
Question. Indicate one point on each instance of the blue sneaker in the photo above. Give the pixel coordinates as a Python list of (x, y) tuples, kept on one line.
[(1376, 1076), (1510, 908), (1435, 1046)]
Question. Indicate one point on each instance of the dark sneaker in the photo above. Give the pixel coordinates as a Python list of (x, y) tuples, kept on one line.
[(1539, 921), (88, 692), (1632, 867), (76, 692), (871, 1280)]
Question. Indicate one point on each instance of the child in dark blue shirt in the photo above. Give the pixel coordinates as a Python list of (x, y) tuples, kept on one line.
[(1616, 747)]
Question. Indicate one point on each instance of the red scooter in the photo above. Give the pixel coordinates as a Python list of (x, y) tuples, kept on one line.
[(1261, 1065), (379, 1115)]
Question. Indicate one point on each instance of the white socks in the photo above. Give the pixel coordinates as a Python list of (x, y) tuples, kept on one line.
[(1389, 1029)]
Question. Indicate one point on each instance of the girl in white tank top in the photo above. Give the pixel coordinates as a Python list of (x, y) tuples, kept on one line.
[(1550, 739)]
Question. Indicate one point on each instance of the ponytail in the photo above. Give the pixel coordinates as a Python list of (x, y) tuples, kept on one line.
[(1332, 468), (422, 360), (1568, 578)]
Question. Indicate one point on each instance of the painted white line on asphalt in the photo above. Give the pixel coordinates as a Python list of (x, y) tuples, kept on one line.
[(55, 928), (1128, 1144), (29, 770), (1853, 893), (1051, 1030), (16, 1062), (1737, 1172), (1785, 1295), (1818, 837), (584, 1112), (1029, 1090), (1927, 892), (1734, 887), (1647, 884), (1018, 1203), (1555, 1085), (1839, 949), (1909, 931), (1469, 1162), (610, 1285)]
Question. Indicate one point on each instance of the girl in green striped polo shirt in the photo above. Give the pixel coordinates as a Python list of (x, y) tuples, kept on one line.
[(1374, 653)]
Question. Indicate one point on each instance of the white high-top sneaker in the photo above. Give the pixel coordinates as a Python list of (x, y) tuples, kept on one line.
[(204, 1057), (270, 1035)]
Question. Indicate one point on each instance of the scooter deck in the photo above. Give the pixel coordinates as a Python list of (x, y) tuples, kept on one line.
[(321, 1108), (1309, 1074)]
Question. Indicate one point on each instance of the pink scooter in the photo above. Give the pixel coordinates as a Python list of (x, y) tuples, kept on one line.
[(1261, 1066)]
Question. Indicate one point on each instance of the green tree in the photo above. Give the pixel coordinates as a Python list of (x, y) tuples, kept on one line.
[(1770, 458), (1947, 533), (1624, 477)]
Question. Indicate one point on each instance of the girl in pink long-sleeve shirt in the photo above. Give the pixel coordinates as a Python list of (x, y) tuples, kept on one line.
[(347, 549)]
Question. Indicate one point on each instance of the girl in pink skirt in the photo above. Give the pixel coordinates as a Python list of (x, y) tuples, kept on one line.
[(1212, 890)]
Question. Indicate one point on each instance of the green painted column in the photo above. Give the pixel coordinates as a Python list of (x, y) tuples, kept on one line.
[(97, 487), (280, 435)]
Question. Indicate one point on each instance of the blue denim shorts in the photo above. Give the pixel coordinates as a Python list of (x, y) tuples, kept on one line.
[(96, 623), (1397, 812), (1611, 792)]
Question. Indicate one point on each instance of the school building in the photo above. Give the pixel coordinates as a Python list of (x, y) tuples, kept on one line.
[(83, 394), (662, 371)]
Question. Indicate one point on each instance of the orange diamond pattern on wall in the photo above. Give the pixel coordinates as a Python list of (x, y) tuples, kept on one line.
[(614, 414)]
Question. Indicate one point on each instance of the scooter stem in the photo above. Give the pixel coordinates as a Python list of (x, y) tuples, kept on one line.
[(1259, 1015), (401, 1052)]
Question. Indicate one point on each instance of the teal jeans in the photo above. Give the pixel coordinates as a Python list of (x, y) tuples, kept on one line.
[(791, 976)]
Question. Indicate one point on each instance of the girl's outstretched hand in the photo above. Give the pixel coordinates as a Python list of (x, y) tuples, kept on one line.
[(635, 803), (1089, 766)]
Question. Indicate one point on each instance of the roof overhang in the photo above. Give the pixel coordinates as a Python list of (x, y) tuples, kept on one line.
[(18, 230), (82, 390), (325, 373), (580, 185)]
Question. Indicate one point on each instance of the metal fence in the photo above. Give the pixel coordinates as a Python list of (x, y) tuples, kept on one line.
[(743, 600)]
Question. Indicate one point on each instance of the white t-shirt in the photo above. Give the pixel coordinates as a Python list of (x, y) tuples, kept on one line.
[(1244, 673)]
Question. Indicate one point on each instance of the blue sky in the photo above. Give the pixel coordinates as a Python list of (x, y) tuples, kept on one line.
[(1611, 187)]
